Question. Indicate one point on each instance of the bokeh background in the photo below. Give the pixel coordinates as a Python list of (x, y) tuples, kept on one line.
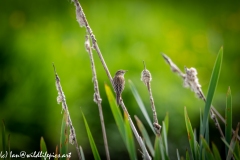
[(33, 34)]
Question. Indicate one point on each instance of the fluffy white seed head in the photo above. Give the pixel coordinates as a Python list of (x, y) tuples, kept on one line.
[(146, 76), (191, 81)]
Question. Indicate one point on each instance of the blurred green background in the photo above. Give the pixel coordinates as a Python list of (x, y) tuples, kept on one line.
[(33, 34)]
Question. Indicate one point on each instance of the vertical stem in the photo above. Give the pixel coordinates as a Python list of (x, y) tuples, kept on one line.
[(97, 97)]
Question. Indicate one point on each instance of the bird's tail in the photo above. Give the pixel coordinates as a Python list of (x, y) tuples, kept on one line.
[(118, 99)]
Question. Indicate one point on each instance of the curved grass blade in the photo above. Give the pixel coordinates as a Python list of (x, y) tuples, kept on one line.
[(91, 140), (164, 139), (64, 137), (157, 154), (207, 149), (190, 133), (178, 156), (213, 84), (129, 139), (116, 112), (216, 152), (4, 139), (82, 154), (228, 118), (140, 104), (145, 135), (43, 147)]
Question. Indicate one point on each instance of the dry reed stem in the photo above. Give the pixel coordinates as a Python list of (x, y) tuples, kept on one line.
[(81, 18), (62, 99), (195, 86), (96, 96)]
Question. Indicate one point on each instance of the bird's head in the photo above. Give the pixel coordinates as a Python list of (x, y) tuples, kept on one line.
[(120, 72)]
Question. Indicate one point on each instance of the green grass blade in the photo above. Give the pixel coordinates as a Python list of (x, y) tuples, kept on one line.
[(190, 134), (145, 135), (82, 154), (43, 147), (164, 138), (9, 148), (208, 152), (140, 104), (166, 121), (163, 150), (157, 154), (91, 140), (237, 150), (4, 139), (233, 144), (130, 139), (116, 112), (196, 145), (212, 87), (64, 137), (178, 155), (187, 155), (228, 118), (216, 152)]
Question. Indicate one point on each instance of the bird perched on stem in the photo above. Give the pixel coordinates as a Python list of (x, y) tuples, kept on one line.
[(118, 84)]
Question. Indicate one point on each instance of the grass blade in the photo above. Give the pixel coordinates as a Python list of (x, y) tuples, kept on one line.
[(166, 122), (216, 152), (233, 144), (56, 152), (212, 86), (228, 118), (64, 136), (91, 140), (164, 138), (129, 139), (9, 146), (178, 156), (190, 133), (187, 155), (116, 112), (3, 139), (207, 149), (43, 147), (157, 154), (145, 135), (82, 154), (140, 104)]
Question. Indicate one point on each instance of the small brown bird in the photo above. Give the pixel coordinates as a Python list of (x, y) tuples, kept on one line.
[(118, 84)]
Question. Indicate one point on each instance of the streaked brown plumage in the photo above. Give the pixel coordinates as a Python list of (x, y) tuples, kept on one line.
[(118, 84)]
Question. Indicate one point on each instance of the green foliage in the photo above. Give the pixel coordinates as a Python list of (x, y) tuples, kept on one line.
[(91, 140), (3, 138), (140, 104), (145, 135), (191, 137), (129, 139), (64, 136), (157, 152), (211, 90), (116, 112), (123, 127), (216, 152), (228, 117), (43, 147)]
